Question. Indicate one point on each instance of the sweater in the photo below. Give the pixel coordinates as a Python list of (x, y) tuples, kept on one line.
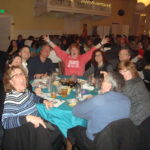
[(101, 110), (140, 100), (36, 66), (96, 70), (16, 106), (74, 65)]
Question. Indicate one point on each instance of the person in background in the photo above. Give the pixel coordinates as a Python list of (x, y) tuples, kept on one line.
[(20, 41), (25, 55), (88, 44), (124, 55), (35, 48), (74, 63), (29, 41), (64, 44), (124, 43), (14, 60), (41, 66), (100, 110), (55, 59), (98, 64), (13, 47), (140, 49), (20, 119)]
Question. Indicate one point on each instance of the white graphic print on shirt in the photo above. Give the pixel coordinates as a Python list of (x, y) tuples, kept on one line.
[(73, 64)]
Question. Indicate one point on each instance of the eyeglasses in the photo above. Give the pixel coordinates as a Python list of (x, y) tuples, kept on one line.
[(124, 55), (98, 55), (17, 74)]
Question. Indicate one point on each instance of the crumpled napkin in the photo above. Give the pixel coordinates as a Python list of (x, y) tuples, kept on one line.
[(87, 87)]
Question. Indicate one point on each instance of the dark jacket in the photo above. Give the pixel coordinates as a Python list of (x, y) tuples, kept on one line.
[(96, 70), (35, 66)]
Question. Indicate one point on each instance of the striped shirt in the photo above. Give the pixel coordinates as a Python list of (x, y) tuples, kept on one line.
[(17, 106)]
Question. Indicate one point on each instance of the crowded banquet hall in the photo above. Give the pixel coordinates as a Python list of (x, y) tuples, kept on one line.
[(75, 75)]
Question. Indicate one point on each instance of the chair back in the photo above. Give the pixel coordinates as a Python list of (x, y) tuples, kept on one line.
[(118, 135)]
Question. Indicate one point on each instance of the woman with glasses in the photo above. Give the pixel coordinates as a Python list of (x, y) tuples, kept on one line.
[(24, 128), (98, 64)]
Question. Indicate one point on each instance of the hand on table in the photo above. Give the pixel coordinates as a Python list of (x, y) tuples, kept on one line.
[(48, 104)]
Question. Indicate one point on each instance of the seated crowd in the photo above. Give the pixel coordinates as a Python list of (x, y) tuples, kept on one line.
[(121, 64)]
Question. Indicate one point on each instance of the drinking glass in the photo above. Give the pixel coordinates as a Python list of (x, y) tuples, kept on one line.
[(53, 92), (91, 80), (64, 91), (98, 82), (49, 84), (78, 92), (54, 76)]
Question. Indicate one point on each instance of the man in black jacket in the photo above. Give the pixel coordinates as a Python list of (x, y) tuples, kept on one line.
[(40, 66)]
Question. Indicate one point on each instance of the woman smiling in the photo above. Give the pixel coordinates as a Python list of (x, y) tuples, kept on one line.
[(20, 118)]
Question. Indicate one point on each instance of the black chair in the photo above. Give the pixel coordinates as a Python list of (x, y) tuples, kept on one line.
[(118, 135), (27, 137), (144, 129)]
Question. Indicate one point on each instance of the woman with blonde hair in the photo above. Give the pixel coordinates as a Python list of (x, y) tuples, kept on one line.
[(140, 100)]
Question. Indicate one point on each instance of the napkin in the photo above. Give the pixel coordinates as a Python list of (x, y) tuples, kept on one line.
[(87, 87), (56, 102)]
